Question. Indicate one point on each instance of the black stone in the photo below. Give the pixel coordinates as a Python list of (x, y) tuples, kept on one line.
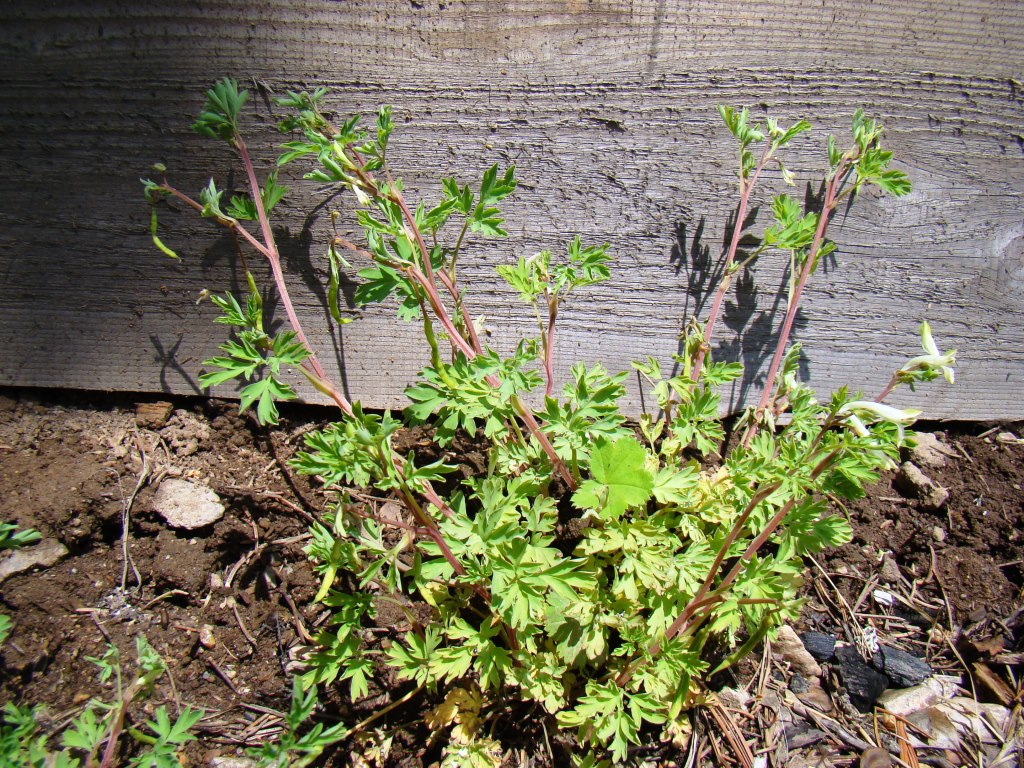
[(819, 645), (798, 683), (903, 669), (863, 684)]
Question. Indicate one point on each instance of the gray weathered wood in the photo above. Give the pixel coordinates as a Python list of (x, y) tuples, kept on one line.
[(608, 110)]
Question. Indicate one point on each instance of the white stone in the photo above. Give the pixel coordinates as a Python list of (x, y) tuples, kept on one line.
[(940, 730), (789, 647), (232, 762), (904, 701), (184, 504), (734, 698), (930, 451), (43, 554), (968, 715), (911, 480)]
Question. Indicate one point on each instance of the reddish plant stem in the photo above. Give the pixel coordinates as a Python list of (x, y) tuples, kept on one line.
[(831, 188), (471, 351), (893, 383), (705, 597), (549, 346), (467, 319), (746, 187), (387, 521), (531, 424), (472, 348), (723, 551), (274, 257), (310, 368), (430, 528), (428, 269), (457, 339), (770, 528)]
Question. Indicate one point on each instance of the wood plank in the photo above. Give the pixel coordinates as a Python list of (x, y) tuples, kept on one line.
[(608, 111)]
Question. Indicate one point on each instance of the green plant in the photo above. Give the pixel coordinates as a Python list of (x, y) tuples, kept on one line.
[(599, 572), (22, 745), (294, 749), (12, 538), (101, 722)]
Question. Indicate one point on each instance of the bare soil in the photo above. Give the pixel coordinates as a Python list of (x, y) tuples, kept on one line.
[(229, 606)]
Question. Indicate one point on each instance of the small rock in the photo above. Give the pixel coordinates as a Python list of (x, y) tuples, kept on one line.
[(905, 701), (930, 451), (232, 762), (799, 735), (937, 728), (890, 571), (42, 554), (875, 757), (734, 698), (913, 482), (966, 714), (788, 646), (206, 637), (819, 645), (816, 696), (798, 683), (184, 504), (153, 415), (863, 684), (939, 533), (903, 669)]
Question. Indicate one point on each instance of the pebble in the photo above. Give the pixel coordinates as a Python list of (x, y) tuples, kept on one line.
[(734, 698), (206, 637), (43, 554), (875, 757), (911, 481), (930, 451), (153, 415), (816, 696), (890, 570), (799, 735), (788, 646), (184, 504), (798, 683), (232, 762), (937, 728), (905, 701), (966, 714)]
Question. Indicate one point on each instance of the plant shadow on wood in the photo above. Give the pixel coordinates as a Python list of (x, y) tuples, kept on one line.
[(296, 253), (751, 339)]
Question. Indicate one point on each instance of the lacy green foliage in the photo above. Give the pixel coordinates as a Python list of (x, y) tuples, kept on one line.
[(599, 572), (100, 723), (300, 743)]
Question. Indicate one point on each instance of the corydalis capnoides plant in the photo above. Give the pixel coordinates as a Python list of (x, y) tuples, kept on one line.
[(617, 620)]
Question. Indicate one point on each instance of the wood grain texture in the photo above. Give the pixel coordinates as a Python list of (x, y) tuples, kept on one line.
[(607, 108)]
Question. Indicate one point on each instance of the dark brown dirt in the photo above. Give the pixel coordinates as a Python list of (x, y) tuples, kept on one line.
[(70, 468), (971, 548)]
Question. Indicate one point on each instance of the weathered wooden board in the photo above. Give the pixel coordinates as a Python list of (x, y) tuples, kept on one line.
[(606, 107)]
